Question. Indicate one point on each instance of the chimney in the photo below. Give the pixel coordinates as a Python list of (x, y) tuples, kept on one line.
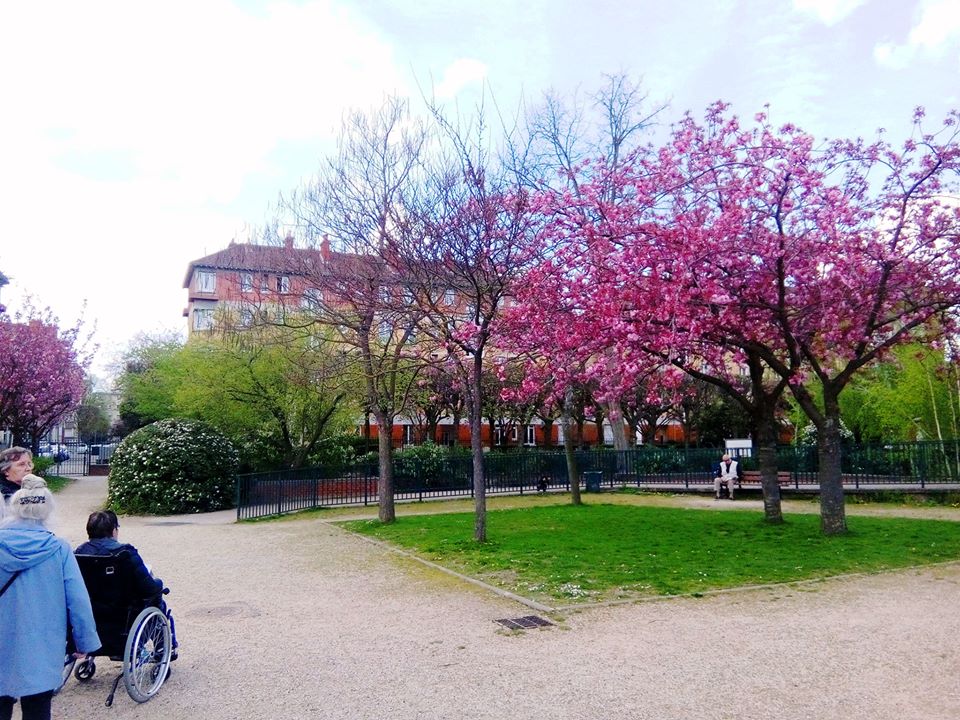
[(325, 248), (288, 242)]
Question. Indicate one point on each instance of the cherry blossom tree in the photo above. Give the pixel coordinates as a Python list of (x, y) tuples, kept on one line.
[(42, 370), (757, 247)]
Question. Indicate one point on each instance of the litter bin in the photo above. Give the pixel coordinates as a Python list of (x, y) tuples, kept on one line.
[(591, 480)]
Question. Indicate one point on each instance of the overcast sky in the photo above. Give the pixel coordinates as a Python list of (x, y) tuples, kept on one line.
[(137, 136)]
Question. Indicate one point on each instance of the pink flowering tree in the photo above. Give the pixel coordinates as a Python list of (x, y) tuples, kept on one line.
[(41, 374), (756, 247)]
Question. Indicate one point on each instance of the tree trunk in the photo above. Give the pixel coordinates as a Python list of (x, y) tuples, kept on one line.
[(765, 431), (620, 442), (387, 511), (476, 445), (456, 429), (573, 472), (833, 520), (598, 420), (366, 430), (548, 433)]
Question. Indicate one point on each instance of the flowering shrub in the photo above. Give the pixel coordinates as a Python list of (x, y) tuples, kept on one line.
[(807, 437), (173, 466)]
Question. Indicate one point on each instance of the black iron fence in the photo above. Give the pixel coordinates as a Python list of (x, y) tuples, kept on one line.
[(917, 465)]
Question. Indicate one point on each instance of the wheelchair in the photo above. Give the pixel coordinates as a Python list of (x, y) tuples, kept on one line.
[(137, 632)]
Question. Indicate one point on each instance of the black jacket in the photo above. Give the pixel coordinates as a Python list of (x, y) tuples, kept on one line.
[(146, 585)]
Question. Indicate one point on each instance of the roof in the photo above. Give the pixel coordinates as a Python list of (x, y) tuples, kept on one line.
[(254, 258)]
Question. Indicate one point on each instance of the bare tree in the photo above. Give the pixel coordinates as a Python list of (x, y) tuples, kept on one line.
[(358, 198), (473, 225)]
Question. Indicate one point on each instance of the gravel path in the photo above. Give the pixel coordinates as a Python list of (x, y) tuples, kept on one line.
[(298, 619)]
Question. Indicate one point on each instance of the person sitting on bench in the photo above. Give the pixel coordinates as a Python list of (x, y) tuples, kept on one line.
[(727, 474)]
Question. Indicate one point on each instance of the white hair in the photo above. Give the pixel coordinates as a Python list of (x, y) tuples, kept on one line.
[(33, 501)]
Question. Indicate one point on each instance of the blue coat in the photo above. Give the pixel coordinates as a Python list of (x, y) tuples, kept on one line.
[(35, 608)]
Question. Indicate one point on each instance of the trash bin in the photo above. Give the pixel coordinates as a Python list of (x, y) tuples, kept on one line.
[(591, 480)]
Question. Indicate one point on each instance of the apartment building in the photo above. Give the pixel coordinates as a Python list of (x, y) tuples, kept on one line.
[(243, 279)]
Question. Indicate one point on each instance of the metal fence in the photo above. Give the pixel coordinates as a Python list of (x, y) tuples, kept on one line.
[(918, 465)]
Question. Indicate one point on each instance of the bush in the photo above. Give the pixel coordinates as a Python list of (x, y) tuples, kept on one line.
[(42, 464), (171, 467), (338, 451)]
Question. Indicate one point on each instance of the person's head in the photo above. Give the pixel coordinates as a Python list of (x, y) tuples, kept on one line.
[(33, 501), (102, 524), (15, 463), (726, 457)]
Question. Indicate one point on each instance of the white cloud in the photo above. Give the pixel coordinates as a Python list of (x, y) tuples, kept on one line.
[(459, 74), (829, 12), (936, 32), (130, 127)]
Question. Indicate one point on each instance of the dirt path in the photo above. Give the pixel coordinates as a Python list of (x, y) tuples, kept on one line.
[(298, 619)]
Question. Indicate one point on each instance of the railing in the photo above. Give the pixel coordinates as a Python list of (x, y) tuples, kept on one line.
[(904, 465)]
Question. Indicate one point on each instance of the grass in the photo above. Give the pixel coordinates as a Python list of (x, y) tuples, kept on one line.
[(604, 551), (56, 483)]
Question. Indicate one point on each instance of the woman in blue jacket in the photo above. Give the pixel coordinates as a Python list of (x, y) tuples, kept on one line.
[(43, 589)]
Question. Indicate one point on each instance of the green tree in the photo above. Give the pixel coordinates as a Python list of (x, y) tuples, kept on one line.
[(911, 396), (92, 418), (276, 395)]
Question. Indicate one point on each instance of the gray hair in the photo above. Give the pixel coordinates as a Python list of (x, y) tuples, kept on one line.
[(33, 501), (9, 456)]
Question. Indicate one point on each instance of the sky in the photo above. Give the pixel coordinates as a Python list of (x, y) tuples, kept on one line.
[(138, 136)]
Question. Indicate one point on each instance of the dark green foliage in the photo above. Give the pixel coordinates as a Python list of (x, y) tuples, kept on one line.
[(171, 467)]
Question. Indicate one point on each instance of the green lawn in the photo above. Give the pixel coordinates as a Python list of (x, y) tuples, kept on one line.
[(56, 483), (604, 551)]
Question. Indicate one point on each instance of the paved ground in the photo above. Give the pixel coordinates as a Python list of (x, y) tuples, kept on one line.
[(298, 619)]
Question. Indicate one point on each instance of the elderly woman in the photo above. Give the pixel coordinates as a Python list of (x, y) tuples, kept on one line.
[(15, 463), (41, 586)]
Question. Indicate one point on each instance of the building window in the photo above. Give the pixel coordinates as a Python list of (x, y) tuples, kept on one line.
[(246, 317), (312, 298), (203, 319), (531, 435), (449, 298), (246, 282), (206, 282), (265, 283), (283, 284)]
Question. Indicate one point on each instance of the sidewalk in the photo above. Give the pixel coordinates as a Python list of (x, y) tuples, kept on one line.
[(298, 619)]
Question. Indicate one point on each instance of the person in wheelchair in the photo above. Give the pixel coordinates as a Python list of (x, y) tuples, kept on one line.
[(103, 529)]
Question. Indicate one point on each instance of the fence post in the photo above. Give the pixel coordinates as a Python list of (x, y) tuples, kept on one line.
[(923, 466), (237, 493), (279, 496), (366, 484)]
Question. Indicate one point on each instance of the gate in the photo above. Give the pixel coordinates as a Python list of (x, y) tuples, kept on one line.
[(73, 459)]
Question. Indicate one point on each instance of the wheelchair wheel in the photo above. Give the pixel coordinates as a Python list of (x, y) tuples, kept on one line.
[(85, 670), (146, 657)]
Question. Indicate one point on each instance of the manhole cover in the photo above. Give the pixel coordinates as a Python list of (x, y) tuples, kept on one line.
[(228, 609), (524, 623)]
